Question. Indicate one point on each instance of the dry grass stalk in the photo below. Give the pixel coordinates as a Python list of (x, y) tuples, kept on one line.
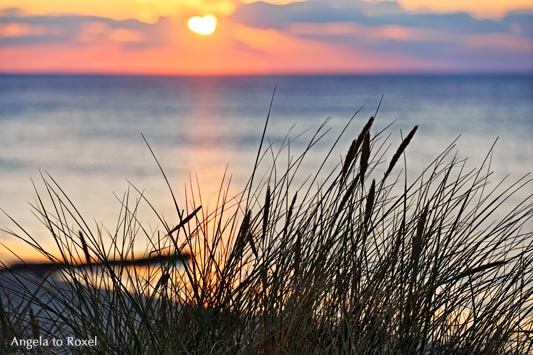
[(354, 148), (400, 150)]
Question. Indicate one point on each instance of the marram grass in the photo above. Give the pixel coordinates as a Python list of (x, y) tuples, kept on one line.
[(355, 260)]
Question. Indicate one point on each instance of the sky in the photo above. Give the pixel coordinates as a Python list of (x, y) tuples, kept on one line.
[(274, 37)]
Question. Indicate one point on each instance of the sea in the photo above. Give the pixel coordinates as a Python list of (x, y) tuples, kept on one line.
[(86, 133)]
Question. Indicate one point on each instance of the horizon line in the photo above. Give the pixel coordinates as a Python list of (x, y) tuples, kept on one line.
[(279, 74)]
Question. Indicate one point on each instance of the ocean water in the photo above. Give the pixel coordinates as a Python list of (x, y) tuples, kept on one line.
[(85, 131)]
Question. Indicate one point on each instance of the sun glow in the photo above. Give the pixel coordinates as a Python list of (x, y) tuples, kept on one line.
[(205, 25)]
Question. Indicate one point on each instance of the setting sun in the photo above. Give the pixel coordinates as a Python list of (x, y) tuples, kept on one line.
[(205, 25)]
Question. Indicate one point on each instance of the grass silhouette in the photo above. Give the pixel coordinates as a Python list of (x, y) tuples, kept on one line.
[(356, 259)]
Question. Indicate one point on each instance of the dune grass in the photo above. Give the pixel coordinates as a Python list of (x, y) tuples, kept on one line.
[(357, 259)]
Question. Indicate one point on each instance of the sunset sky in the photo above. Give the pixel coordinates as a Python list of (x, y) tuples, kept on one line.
[(278, 36)]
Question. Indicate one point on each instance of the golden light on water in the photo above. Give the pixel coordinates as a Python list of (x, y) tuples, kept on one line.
[(205, 25)]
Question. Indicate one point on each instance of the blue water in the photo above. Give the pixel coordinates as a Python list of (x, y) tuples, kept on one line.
[(85, 130)]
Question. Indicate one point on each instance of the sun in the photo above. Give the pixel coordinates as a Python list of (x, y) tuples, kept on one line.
[(205, 25)]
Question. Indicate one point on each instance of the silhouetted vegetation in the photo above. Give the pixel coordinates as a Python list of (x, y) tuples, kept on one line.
[(356, 259)]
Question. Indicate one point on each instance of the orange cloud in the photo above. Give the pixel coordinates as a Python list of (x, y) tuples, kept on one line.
[(126, 36), (13, 30)]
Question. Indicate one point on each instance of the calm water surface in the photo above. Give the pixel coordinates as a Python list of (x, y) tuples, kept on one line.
[(86, 130)]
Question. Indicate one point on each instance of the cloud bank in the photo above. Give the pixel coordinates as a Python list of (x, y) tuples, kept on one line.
[(379, 33), (385, 28)]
